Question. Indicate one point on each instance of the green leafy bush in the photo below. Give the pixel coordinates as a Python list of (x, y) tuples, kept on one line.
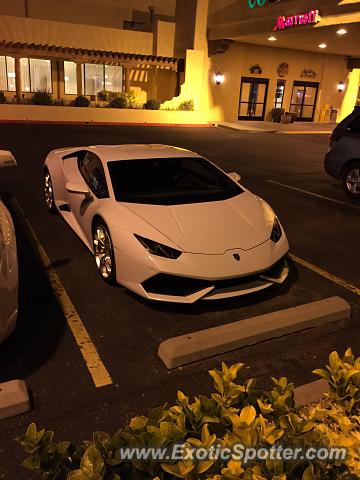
[(2, 97), (235, 413), (42, 97), (152, 104), (82, 101), (187, 105), (105, 96), (118, 102)]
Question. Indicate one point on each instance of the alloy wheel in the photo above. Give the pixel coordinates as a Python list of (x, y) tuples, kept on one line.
[(103, 251), (48, 192), (353, 181)]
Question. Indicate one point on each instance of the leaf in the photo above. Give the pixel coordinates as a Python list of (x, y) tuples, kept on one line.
[(102, 441), (322, 373), (218, 382), (76, 475), (92, 461), (248, 415), (334, 361), (309, 473), (138, 423)]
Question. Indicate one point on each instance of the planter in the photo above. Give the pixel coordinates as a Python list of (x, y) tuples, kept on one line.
[(51, 114)]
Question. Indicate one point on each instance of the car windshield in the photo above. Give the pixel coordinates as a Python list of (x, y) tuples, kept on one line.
[(170, 181)]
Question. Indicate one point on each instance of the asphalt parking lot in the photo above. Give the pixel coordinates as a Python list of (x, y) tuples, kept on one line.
[(127, 330)]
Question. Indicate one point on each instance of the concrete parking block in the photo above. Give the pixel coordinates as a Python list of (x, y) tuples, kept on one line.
[(311, 392), (196, 346), (14, 399)]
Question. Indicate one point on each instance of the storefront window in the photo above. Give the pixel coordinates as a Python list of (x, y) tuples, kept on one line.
[(113, 78), (70, 78), (102, 77), (279, 94), (7, 74), (35, 75)]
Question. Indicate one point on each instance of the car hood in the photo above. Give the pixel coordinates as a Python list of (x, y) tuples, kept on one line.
[(211, 227)]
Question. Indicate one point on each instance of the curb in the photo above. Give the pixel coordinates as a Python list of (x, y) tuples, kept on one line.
[(14, 399), (311, 392), (244, 130), (184, 349), (73, 122)]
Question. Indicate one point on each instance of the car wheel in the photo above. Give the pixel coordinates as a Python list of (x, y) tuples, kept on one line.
[(351, 180), (104, 252), (49, 193)]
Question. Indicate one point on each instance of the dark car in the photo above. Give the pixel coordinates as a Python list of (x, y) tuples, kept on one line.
[(342, 161)]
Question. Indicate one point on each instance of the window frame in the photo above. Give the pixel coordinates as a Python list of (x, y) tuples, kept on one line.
[(30, 82), (103, 78), (80, 158), (7, 90), (279, 82)]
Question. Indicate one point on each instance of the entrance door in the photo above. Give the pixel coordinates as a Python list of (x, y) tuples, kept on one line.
[(253, 95), (303, 100)]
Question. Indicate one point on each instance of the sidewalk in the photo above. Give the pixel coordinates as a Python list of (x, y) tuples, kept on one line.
[(297, 128)]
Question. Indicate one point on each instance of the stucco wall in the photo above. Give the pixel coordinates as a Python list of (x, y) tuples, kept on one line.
[(29, 30), (106, 13), (236, 61), (99, 115)]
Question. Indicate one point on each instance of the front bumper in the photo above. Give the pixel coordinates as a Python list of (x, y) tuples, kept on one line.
[(200, 276)]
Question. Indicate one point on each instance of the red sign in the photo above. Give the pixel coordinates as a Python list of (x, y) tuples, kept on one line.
[(302, 19)]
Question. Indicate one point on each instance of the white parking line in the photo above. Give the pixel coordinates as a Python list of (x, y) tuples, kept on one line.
[(97, 369), (316, 195)]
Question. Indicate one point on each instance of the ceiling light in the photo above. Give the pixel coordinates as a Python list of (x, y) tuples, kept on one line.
[(322, 45), (272, 39), (342, 31)]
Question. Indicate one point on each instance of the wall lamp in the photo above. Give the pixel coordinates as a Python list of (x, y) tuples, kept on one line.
[(341, 86), (219, 78)]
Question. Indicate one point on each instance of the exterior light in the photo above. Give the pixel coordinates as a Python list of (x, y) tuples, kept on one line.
[(66, 78), (11, 75), (341, 86), (272, 39), (219, 78), (342, 31), (322, 45)]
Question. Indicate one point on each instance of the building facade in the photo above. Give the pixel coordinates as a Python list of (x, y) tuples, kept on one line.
[(235, 59)]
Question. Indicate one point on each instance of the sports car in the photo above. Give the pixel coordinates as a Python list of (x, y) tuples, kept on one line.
[(165, 222), (8, 263)]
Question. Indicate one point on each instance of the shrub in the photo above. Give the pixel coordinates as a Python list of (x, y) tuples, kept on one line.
[(236, 413), (42, 97), (2, 97), (118, 102), (187, 105), (59, 103), (82, 101), (152, 105)]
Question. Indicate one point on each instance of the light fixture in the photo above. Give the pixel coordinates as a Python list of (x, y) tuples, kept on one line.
[(341, 86), (66, 78), (322, 45), (342, 31), (11, 75), (219, 78), (272, 39)]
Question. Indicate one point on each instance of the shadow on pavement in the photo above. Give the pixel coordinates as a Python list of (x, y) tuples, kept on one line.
[(40, 321)]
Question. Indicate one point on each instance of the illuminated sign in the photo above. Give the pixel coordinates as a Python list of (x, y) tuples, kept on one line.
[(260, 3), (302, 19)]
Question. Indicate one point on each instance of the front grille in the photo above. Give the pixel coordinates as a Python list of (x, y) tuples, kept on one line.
[(165, 284)]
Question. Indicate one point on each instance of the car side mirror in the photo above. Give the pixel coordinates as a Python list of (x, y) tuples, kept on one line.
[(7, 159), (234, 176), (77, 187)]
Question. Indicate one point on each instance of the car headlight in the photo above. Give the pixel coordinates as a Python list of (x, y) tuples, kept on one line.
[(276, 232), (156, 248)]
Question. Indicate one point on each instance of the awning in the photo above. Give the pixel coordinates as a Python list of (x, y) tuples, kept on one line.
[(81, 55)]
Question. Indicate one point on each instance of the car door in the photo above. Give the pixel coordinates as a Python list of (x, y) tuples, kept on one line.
[(89, 172)]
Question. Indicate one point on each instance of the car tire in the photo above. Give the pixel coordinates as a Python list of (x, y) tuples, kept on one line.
[(49, 192), (104, 252), (351, 180)]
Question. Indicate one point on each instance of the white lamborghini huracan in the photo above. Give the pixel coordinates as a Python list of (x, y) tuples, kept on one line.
[(166, 223)]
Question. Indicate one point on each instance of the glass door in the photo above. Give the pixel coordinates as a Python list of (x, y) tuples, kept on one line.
[(253, 95), (303, 100)]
